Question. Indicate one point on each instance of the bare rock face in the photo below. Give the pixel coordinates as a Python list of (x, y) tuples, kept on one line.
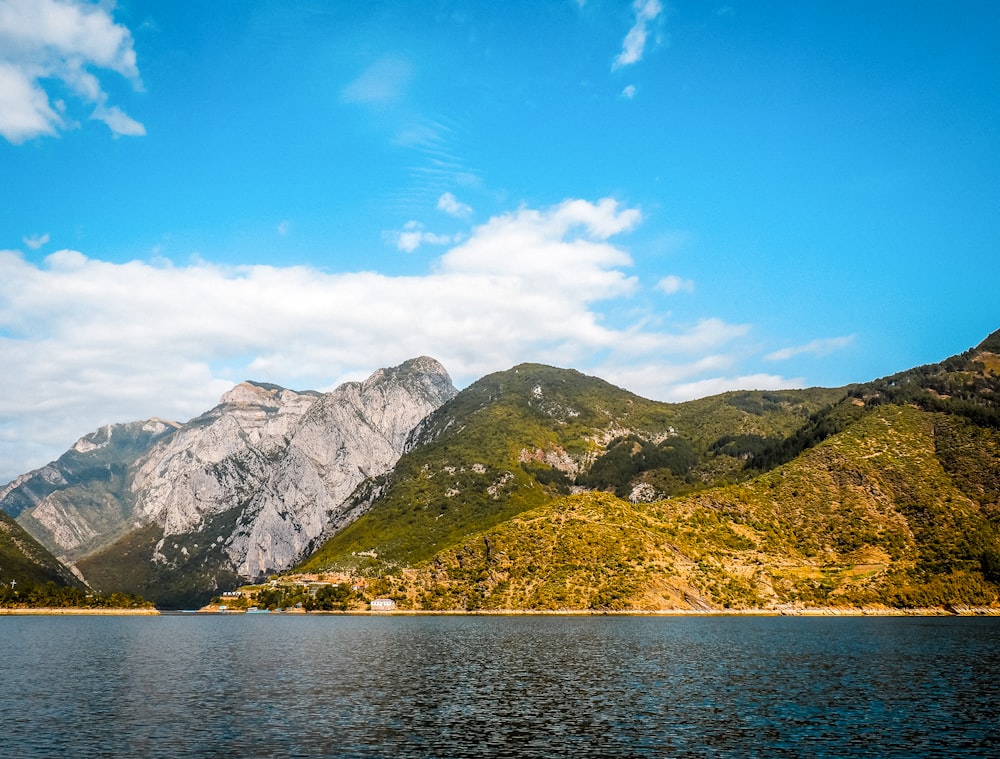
[(288, 461), (249, 487)]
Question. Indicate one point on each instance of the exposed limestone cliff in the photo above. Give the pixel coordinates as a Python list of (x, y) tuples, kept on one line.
[(286, 460)]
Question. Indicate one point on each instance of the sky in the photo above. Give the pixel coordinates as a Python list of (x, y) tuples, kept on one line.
[(680, 197)]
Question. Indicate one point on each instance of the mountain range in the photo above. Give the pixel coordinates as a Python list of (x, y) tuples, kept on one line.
[(178, 512), (543, 488)]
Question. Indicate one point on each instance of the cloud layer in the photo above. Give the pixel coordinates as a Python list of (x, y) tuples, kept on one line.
[(822, 347), (42, 41), (97, 342)]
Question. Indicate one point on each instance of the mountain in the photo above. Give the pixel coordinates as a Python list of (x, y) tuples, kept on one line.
[(241, 491), (78, 502), (515, 440), (885, 493)]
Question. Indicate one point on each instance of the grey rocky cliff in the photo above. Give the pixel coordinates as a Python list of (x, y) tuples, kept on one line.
[(288, 461), (260, 479)]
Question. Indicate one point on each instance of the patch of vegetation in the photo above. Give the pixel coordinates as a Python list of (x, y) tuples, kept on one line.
[(549, 476), (628, 456), (185, 577), (54, 596), (291, 595), (818, 427), (745, 447)]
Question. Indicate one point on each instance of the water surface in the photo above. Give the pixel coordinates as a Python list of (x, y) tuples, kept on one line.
[(441, 686)]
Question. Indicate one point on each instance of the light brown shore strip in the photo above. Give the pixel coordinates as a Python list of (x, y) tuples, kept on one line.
[(825, 611), (810, 612), (79, 612)]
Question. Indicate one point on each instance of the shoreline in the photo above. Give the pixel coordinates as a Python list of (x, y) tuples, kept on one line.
[(817, 611), (77, 612)]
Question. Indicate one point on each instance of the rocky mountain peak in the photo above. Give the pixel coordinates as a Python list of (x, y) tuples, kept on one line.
[(250, 393)]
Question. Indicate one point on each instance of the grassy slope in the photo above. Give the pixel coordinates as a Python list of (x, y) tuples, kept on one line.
[(890, 496), (871, 516), (514, 440)]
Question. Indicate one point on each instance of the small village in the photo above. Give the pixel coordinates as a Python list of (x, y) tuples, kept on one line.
[(301, 594)]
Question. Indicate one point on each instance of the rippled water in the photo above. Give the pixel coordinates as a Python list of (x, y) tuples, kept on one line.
[(367, 686)]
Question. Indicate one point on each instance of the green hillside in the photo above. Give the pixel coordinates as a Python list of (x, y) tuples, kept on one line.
[(872, 516), (515, 440), (124, 566), (886, 494), (25, 562)]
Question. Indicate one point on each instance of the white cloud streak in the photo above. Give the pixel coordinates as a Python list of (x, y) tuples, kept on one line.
[(822, 347), (97, 342), (36, 241), (634, 45), (412, 236), (44, 40), (381, 82)]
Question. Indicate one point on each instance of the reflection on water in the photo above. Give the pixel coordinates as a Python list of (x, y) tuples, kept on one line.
[(288, 686)]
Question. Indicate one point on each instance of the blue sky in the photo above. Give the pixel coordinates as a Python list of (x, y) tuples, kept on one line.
[(680, 197)]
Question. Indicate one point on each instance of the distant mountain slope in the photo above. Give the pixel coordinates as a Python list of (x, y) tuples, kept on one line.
[(516, 439), (99, 456), (890, 496), (80, 501)]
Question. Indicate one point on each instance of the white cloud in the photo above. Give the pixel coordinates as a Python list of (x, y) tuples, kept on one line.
[(381, 82), (629, 92), (450, 205), (822, 347), (118, 121), (97, 342), (673, 284), (46, 40), (283, 227), (646, 11), (24, 107), (716, 385), (36, 241), (412, 236)]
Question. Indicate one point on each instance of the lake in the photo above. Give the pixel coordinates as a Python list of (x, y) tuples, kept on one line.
[(510, 686)]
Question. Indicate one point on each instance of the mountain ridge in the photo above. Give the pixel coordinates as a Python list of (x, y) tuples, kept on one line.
[(887, 494), (542, 488)]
